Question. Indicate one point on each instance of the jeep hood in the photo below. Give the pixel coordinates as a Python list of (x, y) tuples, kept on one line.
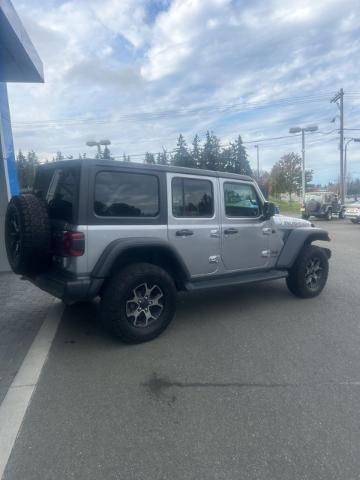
[(286, 223)]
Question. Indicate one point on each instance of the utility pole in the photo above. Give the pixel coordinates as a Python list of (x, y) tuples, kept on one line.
[(340, 97), (258, 161)]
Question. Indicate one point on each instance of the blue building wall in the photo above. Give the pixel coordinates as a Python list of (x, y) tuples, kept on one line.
[(19, 62), (7, 144)]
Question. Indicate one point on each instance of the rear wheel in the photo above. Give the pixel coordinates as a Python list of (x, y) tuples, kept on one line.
[(329, 215), (138, 303), (308, 276)]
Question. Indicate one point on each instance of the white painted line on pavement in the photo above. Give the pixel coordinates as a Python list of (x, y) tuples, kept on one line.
[(18, 397)]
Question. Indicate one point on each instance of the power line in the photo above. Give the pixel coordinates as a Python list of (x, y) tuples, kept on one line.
[(146, 115)]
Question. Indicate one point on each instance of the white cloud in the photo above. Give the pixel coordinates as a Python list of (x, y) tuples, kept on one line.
[(105, 59)]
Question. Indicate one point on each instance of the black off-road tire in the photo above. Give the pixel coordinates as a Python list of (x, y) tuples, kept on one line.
[(119, 290), (27, 234), (297, 279)]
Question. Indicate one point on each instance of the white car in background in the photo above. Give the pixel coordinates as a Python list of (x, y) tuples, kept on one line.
[(352, 212)]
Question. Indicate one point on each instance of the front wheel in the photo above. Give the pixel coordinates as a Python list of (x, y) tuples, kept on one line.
[(138, 302), (309, 274)]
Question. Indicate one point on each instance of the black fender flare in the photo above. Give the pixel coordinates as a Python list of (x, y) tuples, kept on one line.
[(296, 240), (120, 247)]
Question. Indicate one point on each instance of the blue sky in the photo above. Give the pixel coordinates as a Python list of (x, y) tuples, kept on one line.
[(142, 71)]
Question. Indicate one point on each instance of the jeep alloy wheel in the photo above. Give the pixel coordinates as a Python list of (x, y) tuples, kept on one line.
[(145, 305), (313, 273), (138, 302)]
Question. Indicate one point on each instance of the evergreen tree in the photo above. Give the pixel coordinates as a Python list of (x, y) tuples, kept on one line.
[(182, 157), (149, 158), (196, 151), (22, 173), (59, 157), (106, 153), (210, 157), (162, 158), (238, 159)]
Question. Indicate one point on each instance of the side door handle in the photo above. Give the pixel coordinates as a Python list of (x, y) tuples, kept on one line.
[(231, 231), (184, 233)]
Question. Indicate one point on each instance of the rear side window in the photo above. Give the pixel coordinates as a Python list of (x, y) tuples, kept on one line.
[(241, 200), (59, 188), (120, 194), (192, 198)]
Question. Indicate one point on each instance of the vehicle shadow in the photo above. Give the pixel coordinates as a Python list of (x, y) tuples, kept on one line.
[(81, 321)]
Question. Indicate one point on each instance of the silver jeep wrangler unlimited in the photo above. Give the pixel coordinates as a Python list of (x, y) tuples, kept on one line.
[(135, 234)]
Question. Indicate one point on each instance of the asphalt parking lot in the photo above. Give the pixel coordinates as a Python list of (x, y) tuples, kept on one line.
[(247, 383)]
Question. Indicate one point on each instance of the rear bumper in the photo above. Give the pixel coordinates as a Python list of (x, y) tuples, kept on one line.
[(69, 288)]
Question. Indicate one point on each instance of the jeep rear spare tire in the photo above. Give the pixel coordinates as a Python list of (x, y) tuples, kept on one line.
[(27, 234), (138, 302)]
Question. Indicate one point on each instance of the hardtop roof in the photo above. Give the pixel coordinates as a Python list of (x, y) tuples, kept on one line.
[(87, 162)]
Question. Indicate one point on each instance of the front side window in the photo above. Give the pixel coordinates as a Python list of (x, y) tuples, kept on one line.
[(120, 194), (192, 197), (241, 200)]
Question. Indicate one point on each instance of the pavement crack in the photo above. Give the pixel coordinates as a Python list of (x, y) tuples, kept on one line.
[(158, 385)]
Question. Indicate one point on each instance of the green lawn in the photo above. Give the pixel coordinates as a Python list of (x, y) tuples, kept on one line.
[(292, 208)]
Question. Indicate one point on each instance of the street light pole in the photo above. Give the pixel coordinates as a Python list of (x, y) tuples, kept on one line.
[(93, 143), (303, 163), (258, 161), (302, 130)]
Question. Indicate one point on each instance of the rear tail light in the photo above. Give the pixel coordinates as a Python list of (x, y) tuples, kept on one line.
[(73, 244)]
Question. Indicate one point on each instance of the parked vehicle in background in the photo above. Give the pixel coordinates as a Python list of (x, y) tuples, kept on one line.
[(135, 234), (322, 205), (352, 212)]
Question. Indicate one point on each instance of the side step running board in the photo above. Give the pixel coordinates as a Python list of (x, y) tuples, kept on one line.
[(229, 280)]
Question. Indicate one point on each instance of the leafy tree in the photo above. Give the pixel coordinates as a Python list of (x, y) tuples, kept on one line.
[(287, 174)]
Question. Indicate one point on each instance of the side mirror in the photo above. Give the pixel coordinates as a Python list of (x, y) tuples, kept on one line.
[(269, 210)]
